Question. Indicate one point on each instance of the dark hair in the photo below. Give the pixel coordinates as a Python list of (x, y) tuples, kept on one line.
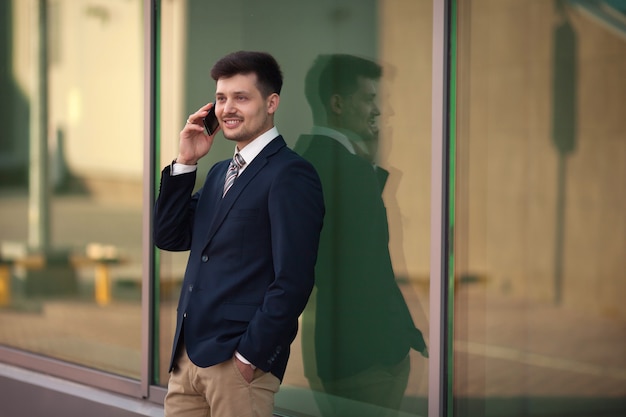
[(267, 70), (336, 74)]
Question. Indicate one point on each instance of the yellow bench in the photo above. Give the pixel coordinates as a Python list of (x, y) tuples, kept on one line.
[(101, 257), (26, 261)]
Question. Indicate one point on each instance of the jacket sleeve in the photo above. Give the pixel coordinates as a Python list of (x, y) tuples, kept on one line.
[(174, 211)]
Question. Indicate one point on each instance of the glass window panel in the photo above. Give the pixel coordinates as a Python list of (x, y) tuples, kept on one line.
[(540, 325), (385, 240), (71, 182)]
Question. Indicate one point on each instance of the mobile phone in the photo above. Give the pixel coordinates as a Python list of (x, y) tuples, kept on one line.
[(210, 121)]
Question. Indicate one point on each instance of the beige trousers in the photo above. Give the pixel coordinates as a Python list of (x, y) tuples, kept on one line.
[(218, 391)]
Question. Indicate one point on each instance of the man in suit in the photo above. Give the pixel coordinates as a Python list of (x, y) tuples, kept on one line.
[(362, 327), (253, 238)]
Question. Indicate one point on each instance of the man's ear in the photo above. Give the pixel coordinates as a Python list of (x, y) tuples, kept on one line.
[(336, 104), (272, 103)]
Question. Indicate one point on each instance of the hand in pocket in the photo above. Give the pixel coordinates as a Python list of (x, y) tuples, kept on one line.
[(246, 370)]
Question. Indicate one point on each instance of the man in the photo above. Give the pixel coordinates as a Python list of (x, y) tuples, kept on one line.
[(363, 329), (253, 238)]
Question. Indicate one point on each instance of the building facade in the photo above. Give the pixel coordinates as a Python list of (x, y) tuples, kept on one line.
[(501, 130)]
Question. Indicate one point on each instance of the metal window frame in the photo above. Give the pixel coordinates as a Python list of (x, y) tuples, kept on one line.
[(439, 364), (149, 160)]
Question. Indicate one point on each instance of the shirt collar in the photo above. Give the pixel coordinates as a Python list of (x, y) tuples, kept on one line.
[(251, 150)]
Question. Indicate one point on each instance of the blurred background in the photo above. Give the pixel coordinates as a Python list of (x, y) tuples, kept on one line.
[(537, 180)]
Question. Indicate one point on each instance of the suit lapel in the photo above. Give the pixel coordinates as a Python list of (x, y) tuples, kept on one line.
[(224, 205)]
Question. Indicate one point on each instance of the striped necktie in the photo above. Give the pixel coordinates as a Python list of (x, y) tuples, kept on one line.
[(233, 170)]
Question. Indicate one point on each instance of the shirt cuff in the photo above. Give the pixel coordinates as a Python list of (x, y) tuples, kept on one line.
[(178, 169), (244, 360)]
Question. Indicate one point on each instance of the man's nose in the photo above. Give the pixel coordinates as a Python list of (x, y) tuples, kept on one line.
[(229, 106)]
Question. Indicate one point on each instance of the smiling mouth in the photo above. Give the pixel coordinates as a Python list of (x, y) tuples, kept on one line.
[(232, 122)]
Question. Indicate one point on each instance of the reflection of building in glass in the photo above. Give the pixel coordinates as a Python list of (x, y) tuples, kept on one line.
[(95, 104), (71, 190)]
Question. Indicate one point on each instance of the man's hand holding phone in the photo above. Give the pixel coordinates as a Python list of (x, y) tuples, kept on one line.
[(211, 124), (194, 142)]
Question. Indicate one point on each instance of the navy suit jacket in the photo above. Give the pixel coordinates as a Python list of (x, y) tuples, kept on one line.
[(252, 255)]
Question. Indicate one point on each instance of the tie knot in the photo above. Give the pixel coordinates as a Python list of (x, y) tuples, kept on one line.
[(233, 171), (238, 160)]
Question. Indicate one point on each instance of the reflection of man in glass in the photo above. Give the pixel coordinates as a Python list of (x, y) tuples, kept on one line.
[(363, 329)]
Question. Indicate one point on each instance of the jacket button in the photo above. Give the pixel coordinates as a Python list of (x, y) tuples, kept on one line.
[(205, 258), (190, 288)]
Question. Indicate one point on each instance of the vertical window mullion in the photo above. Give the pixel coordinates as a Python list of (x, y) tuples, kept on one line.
[(438, 350)]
